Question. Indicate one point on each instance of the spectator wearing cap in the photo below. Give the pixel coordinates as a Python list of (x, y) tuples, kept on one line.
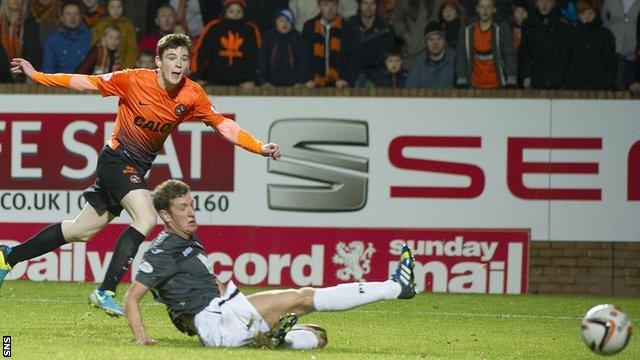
[(19, 33), (434, 66), (375, 35), (334, 48), (65, 50), (621, 18), (485, 57), (166, 21), (410, 18), (228, 48), (283, 60), (128, 48), (545, 48), (451, 17), (305, 10), (593, 62)]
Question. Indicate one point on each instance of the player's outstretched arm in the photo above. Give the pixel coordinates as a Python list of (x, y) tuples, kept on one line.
[(71, 81), (231, 131), (132, 311)]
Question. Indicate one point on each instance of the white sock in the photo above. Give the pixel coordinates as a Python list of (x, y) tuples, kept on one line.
[(348, 296), (301, 339)]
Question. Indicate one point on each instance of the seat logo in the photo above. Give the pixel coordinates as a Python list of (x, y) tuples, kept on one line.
[(343, 177)]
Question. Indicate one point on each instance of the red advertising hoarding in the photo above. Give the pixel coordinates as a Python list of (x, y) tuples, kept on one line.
[(447, 260)]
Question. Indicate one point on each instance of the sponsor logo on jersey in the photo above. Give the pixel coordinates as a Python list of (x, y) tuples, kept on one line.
[(136, 179)]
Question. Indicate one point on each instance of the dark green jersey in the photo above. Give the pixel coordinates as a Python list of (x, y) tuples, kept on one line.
[(179, 274)]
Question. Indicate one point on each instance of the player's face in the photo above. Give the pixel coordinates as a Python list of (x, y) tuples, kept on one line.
[(172, 65), (182, 216)]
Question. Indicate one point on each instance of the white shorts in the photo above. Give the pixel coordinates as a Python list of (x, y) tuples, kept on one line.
[(229, 320)]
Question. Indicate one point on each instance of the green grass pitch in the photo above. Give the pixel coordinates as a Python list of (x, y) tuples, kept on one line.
[(54, 321)]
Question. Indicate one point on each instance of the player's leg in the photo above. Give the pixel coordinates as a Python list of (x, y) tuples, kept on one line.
[(139, 205), (88, 222), (271, 305)]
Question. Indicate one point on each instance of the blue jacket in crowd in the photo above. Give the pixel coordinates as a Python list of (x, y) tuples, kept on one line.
[(426, 73), (65, 50)]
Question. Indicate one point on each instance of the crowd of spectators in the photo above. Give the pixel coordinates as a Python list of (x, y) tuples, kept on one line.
[(487, 44)]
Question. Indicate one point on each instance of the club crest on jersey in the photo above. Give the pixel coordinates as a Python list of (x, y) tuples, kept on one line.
[(136, 179), (180, 109)]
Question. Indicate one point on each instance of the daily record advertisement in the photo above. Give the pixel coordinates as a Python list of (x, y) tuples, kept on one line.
[(353, 172)]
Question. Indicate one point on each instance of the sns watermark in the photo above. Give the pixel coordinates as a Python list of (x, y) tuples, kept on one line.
[(6, 346)]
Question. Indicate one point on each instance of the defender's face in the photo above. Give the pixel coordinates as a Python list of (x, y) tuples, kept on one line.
[(182, 215), (173, 64)]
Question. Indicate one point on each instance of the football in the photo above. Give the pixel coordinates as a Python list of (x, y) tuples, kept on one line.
[(606, 329)]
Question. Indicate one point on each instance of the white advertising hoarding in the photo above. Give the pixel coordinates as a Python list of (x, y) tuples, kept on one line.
[(567, 170)]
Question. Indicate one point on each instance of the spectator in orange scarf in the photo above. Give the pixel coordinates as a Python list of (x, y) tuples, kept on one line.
[(19, 33)]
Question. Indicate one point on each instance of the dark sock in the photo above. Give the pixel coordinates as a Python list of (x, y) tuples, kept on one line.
[(48, 239), (126, 249)]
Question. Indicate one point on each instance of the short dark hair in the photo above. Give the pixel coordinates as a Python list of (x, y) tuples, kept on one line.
[(393, 51), (70, 2), (585, 5), (167, 191), (173, 41)]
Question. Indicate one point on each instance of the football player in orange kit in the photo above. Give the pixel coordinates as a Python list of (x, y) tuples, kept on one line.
[(152, 104)]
